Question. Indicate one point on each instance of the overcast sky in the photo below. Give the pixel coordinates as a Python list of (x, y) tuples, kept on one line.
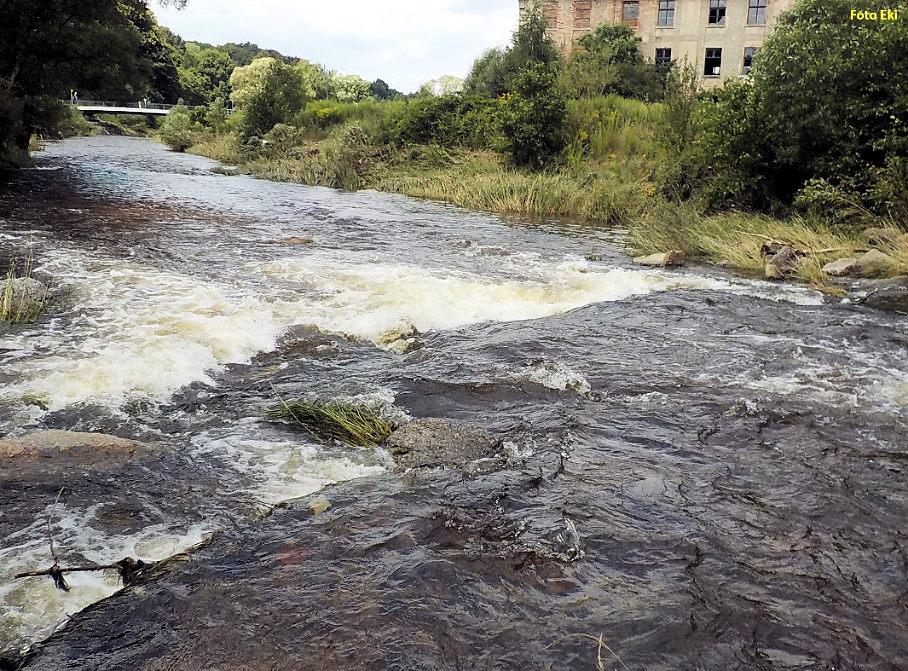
[(405, 42)]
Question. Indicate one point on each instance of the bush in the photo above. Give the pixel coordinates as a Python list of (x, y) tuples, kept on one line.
[(450, 121), (178, 131), (533, 119)]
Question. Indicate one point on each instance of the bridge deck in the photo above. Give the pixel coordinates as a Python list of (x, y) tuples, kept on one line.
[(103, 109)]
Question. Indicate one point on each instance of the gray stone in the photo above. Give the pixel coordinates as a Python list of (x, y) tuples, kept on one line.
[(891, 294), (781, 263), (881, 236), (401, 339), (69, 448), (674, 257), (874, 260), (23, 295), (440, 442), (840, 267)]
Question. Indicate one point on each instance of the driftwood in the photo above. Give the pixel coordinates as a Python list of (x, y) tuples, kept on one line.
[(773, 246), (128, 568)]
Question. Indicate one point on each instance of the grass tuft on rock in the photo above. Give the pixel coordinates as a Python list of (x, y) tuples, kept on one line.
[(350, 423), (18, 309)]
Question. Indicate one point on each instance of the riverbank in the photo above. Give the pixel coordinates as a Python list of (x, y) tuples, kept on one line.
[(618, 192)]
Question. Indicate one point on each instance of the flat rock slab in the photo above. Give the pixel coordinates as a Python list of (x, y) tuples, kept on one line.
[(840, 267), (674, 257), (69, 446), (440, 442)]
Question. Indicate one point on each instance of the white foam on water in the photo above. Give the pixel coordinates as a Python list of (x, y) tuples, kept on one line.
[(140, 331), (31, 608), (554, 375)]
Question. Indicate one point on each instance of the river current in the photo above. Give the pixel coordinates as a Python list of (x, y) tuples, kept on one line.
[(707, 471)]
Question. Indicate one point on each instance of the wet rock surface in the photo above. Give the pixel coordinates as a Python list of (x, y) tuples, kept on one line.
[(68, 449), (440, 442), (706, 471), (25, 294)]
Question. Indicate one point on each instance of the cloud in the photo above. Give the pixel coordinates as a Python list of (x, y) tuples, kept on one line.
[(405, 42)]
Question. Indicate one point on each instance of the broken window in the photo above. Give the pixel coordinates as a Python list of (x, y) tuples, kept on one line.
[(663, 56), (756, 12), (717, 12), (712, 65), (749, 53), (630, 10), (667, 12)]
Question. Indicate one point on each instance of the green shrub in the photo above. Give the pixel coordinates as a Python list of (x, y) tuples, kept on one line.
[(178, 130), (533, 119)]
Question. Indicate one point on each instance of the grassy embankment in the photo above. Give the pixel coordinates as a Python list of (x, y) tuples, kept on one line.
[(610, 173)]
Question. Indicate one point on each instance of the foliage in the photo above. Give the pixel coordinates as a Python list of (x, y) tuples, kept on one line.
[(266, 92), (487, 77), (380, 90), (351, 423), (449, 120), (820, 107), (442, 86), (349, 88), (178, 130), (608, 60), (533, 119)]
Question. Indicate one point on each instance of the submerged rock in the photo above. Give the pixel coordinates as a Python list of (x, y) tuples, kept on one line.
[(436, 442), (401, 339), (781, 263), (840, 267), (674, 257), (891, 294)]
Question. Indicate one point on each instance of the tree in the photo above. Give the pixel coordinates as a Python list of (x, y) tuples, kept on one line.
[(178, 131), (266, 92), (487, 76), (49, 47), (380, 90), (442, 86), (828, 100), (609, 60), (349, 88), (533, 119)]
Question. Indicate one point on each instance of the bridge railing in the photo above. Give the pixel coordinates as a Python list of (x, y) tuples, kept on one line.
[(109, 103)]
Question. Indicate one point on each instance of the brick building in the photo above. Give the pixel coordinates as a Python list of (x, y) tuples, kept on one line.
[(719, 37)]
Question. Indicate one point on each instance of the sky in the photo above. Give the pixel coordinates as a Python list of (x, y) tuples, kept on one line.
[(404, 42)]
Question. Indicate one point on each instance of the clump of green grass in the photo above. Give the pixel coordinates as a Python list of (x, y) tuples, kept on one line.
[(351, 423), (21, 311)]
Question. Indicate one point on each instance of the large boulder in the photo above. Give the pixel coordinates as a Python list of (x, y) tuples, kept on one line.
[(674, 257), (440, 442), (24, 296), (780, 264), (874, 261), (891, 294), (881, 236), (840, 267)]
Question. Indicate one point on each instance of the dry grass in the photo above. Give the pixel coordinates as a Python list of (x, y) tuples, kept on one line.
[(20, 311), (348, 422)]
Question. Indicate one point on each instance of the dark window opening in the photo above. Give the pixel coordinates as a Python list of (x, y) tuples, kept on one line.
[(666, 13), (712, 66), (717, 12), (756, 12), (630, 10), (663, 56), (749, 53)]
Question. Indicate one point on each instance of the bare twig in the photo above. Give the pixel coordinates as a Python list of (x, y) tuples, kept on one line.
[(600, 665)]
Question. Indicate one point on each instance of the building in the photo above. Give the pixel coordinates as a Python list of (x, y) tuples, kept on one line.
[(720, 37)]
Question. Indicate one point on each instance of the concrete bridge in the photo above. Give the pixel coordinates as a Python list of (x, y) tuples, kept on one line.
[(107, 107)]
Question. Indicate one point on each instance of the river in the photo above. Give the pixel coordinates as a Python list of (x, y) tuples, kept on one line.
[(706, 471)]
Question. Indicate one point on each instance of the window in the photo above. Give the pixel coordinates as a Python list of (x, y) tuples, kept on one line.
[(717, 12), (630, 10), (667, 12), (663, 56), (749, 53), (713, 62), (756, 12)]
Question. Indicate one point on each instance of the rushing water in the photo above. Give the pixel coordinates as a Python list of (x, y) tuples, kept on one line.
[(731, 486)]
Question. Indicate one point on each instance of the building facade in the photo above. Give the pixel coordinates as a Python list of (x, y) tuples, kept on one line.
[(719, 37)]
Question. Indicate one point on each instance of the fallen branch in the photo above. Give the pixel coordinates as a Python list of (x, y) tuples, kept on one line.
[(128, 568)]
